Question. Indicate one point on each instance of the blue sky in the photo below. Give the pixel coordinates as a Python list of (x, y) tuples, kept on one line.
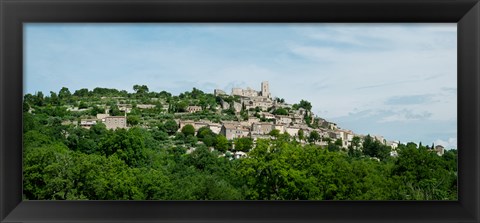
[(395, 80)]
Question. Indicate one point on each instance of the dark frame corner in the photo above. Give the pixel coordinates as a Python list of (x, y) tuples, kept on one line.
[(13, 13)]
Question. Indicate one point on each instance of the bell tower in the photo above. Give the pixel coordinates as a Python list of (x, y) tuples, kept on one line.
[(265, 89)]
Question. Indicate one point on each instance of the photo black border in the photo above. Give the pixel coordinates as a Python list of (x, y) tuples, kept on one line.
[(13, 13)]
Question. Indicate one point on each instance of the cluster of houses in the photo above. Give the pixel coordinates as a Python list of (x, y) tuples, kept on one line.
[(293, 123), (111, 122), (255, 129)]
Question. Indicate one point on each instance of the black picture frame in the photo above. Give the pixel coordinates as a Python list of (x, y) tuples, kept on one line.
[(13, 13)]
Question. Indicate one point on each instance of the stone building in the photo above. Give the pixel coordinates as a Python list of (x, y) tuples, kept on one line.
[(225, 105), (87, 123), (127, 108), (262, 128), (267, 115), (102, 117), (215, 127), (145, 106), (252, 120), (440, 150), (393, 144), (262, 102), (196, 124), (183, 123), (231, 131), (292, 130), (237, 107), (265, 91), (193, 109), (283, 119), (280, 127), (346, 136), (245, 92), (114, 122), (218, 92)]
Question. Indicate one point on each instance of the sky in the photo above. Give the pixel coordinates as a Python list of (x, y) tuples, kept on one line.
[(394, 80)]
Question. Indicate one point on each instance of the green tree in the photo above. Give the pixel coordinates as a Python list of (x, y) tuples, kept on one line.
[(204, 131), (221, 143), (274, 132), (82, 105), (181, 106), (206, 135), (336, 146), (374, 148), (209, 140), (128, 145), (54, 100), (47, 172), (30, 122), (191, 140), (170, 126), (64, 93), (280, 111), (301, 134), (314, 136), (303, 104), (96, 110), (140, 89), (243, 144), (39, 99), (115, 111), (81, 92), (159, 135), (421, 175), (188, 130), (196, 94), (133, 120)]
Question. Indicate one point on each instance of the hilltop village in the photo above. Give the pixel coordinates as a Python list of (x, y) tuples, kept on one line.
[(109, 144), (244, 113)]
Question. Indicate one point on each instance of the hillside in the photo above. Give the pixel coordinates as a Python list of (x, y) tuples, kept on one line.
[(111, 144)]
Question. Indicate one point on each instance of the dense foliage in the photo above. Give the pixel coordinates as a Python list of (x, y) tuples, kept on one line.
[(162, 162)]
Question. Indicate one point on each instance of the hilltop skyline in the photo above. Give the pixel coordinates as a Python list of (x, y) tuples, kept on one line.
[(408, 94)]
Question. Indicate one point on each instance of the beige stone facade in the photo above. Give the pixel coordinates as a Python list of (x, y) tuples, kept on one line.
[(292, 131), (237, 107), (193, 109), (280, 128), (145, 106), (215, 127), (102, 116), (282, 119), (262, 128), (114, 122), (440, 150), (218, 92), (231, 131), (245, 92), (267, 115), (265, 89), (251, 93), (127, 108)]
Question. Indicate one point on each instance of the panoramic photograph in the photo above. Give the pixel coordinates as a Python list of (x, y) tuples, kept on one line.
[(240, 111)]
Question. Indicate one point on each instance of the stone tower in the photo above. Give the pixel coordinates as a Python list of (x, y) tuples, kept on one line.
[(265, 89)]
